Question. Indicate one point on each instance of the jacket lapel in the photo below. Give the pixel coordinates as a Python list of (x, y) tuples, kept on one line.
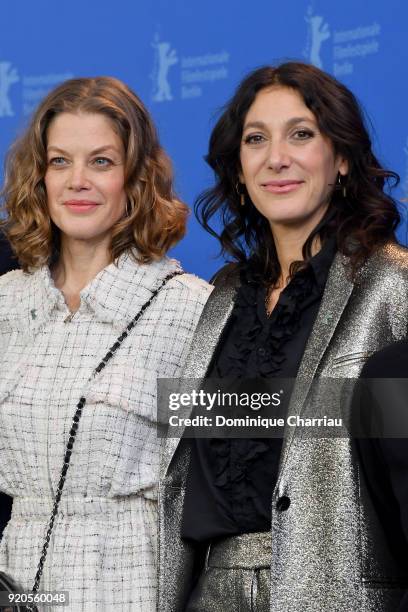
[(211, 325), (336, 295), (215, 316)]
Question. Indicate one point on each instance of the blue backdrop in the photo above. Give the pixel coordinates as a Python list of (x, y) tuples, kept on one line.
[(184, 59)]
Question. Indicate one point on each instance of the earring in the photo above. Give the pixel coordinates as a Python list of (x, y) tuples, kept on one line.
[(240, 193), (342, 186)]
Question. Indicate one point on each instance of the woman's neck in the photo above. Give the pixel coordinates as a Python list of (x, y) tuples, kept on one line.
[(77, 266), (289, 246), (289, 239)]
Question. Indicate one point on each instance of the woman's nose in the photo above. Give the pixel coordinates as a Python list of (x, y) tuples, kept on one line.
[(78, 177), (278, 156)]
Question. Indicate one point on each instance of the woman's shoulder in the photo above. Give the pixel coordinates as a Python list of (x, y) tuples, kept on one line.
[(14, 281), (230, 273), (190, 286), (14, 288), (392, 256), (389, 263), (151, 275), (184, 297)]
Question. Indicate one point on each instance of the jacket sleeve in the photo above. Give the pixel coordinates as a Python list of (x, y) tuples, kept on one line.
[(384, 461)]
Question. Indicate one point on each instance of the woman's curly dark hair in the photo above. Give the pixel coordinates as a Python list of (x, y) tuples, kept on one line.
[(361, 222)]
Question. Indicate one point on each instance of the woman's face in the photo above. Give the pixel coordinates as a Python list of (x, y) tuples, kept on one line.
[(288, 166), (85, 176)]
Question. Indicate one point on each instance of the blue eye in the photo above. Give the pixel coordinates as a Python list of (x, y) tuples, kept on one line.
[(102, 162), (57, 161)]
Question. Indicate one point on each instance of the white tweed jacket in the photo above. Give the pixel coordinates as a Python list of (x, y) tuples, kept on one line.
[(104, 541)]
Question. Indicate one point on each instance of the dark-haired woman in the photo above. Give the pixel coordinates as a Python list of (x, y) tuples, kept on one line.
[(319, 283), (91, 215)]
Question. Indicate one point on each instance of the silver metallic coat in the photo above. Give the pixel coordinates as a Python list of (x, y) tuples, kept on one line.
[(329, 552)]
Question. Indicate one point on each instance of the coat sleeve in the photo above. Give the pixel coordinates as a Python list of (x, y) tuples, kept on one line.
[(384, 461)]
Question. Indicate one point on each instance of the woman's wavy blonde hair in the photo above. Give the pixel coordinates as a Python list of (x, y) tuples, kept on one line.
[(157, 219)]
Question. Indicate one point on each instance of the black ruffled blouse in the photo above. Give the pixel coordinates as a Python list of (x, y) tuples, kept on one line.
[(231, 481)]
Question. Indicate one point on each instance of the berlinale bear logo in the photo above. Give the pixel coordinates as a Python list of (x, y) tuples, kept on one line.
[(8, 76), (165, 58), (318, 33)]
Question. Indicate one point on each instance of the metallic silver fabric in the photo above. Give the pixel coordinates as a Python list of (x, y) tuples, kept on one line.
[(213, 319), (329, 552), (245, 551), (237, 572), (174, 554)]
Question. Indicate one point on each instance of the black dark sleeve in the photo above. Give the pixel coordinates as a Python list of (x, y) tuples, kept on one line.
[(5, 511), (7, 262), (384, 461), (7, 259)]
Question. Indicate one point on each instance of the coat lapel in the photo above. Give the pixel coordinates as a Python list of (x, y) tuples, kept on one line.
[(212, 322), (214, 319), (336, 295)]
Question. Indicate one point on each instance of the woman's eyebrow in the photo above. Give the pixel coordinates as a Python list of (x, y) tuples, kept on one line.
[(102, 149), (289, 122)]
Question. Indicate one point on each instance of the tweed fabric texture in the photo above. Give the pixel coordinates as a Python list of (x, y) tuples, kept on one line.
[(103, 548), (329, 551)]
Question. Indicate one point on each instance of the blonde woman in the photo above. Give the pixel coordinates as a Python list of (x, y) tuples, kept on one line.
[(91, 215)]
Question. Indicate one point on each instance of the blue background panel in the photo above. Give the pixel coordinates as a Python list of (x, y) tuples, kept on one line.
[(184, 59)]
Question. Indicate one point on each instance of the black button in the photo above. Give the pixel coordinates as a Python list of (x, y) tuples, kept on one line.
[(283, 503), (261, 351)]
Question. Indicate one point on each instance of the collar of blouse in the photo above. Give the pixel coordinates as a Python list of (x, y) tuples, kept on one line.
[(114, 296)]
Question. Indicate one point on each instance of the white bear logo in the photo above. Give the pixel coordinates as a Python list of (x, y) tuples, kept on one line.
[(165, 58), (318, 33), (8, 76)]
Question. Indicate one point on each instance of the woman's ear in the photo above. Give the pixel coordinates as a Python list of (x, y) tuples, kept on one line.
[(343, 166)]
